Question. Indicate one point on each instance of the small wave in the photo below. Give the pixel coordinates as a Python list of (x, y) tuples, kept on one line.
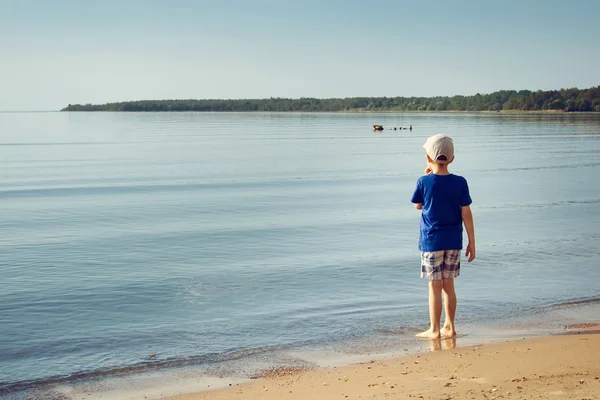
[(62, 143), (540, 167), (117, 188), (150, 365), (544, 205), (573, 303), (396, 331)]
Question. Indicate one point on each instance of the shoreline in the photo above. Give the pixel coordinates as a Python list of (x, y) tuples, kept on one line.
[(235, 371), (560, 366), (357, 111)]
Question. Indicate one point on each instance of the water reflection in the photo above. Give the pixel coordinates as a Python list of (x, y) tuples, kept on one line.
[(442, 344)]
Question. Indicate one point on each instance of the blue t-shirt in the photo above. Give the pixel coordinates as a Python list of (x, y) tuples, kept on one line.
[(441, 219)]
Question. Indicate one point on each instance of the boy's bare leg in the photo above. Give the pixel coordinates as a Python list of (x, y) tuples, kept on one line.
[(448, 330), (435, 310)]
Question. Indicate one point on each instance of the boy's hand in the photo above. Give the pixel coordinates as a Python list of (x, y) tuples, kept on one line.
[(470, 252), (428, 170)]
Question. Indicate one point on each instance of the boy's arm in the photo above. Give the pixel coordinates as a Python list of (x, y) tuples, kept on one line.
[(428, 170), (467, 218), (417, 197)]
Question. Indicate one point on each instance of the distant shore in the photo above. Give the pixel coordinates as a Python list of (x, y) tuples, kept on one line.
[(355, 111), (569, 100)]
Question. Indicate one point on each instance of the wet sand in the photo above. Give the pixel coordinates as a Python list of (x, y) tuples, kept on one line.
[(565, 366)]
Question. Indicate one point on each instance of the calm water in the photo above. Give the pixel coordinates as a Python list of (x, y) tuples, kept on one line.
[(205, 237)]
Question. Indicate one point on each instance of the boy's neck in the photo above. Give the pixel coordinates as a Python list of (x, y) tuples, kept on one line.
[(439, 169)]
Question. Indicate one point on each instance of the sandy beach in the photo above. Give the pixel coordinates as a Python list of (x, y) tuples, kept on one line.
[(554, 367)]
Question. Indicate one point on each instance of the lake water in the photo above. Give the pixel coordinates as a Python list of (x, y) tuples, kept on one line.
[(227, 243)]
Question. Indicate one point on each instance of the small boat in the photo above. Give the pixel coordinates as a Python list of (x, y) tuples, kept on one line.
[(377, 127)]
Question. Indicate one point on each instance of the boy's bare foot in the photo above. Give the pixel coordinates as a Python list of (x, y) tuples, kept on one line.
[(446, 333), (428, 334)]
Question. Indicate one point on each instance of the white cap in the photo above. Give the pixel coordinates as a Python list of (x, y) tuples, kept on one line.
[(440, 148)]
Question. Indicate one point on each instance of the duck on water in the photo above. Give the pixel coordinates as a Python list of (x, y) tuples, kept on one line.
[(380, 128)]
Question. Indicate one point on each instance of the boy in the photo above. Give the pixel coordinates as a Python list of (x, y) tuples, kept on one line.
[(445, 203)]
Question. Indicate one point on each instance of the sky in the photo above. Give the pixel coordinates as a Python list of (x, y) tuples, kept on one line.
[(59, 52)]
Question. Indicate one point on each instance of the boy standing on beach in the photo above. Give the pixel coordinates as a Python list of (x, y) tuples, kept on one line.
[(445, 203)]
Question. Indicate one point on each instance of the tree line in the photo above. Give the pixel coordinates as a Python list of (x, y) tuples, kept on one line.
[(570, 100)]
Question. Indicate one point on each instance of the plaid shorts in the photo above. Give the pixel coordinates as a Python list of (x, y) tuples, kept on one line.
[(438, 265)]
